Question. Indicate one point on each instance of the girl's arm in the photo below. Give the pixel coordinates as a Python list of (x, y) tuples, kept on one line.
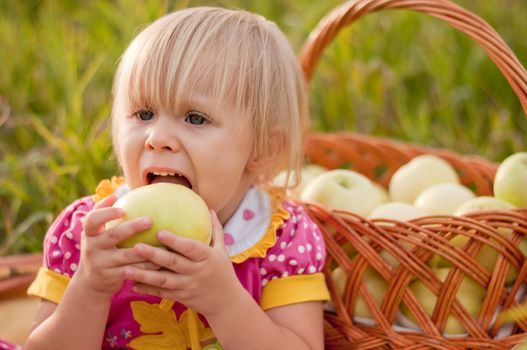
[(79, 321), (295, 326)]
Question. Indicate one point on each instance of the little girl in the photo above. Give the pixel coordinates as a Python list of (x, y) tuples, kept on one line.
[(212, 99)]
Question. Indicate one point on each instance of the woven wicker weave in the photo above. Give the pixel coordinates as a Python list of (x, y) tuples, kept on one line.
[(378, 159)]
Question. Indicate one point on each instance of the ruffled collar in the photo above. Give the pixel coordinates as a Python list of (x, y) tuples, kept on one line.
[(251, 230)]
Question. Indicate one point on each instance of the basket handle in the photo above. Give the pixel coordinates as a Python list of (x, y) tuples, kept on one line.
[(470, 24)]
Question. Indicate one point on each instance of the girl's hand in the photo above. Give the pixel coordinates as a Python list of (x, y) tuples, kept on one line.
[(197, 275), (101, 266)]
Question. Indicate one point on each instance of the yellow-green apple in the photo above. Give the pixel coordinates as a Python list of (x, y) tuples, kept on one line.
[(510, 182), (373, 280), (487, 256), (469, 294), (307, 174), (421, 172), (483, 203), (343, 189), (397, 211), (385, 197), (443, 198), (172, 207)]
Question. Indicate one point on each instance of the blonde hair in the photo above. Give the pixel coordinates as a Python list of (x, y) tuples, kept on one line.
[(236, 56)]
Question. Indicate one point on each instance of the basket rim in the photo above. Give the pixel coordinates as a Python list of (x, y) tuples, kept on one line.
[(458, 17)]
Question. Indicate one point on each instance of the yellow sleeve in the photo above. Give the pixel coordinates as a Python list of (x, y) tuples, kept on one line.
[(294, 289), (48, 285)]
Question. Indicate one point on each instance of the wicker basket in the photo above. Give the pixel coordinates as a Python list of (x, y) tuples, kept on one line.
[(430, 236), (18, 271)]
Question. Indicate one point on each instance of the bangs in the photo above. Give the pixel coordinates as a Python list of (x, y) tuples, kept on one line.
[(199, 60)]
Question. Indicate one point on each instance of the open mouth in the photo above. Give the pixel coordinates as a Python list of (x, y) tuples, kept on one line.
[(167, 177)]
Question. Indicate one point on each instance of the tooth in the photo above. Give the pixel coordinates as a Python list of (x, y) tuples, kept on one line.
[(163, 173)]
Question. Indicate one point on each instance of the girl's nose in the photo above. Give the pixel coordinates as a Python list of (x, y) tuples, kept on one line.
[(162, 138)]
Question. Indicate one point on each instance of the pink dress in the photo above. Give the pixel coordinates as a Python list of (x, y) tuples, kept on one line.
[(277, 252)]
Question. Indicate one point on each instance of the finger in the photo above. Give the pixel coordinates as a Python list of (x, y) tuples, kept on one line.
[(217, 231), (126, 229), (164, 258), (105, 202), (147, 265), (96, 219), (151, 290), (160, 279), (128, 256), (190, 248)]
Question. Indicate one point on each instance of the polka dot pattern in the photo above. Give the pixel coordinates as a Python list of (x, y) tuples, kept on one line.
[(62, 241), (297, 250)]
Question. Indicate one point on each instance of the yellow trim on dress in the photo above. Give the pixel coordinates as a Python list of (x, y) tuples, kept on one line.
[(259, 250), (107, 187), (294, 289), (48, 285)]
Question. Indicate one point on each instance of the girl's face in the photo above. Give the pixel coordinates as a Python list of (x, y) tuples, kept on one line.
[(201, 145)]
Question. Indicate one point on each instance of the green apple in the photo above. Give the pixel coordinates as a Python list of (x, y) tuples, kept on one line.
[(483, 203), (443, 198), (307, 174), (343, 189), (418, 174), (373, 280), (173, 208), (385, 197), (510, 182), (469, 294), (487, 256), (396, 211)]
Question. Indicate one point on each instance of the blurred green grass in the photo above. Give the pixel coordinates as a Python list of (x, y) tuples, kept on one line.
[(396, 74)]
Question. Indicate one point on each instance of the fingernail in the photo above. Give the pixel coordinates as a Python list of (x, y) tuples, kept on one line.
[(163, 235), (140, 247), (146, 221), (128, 272)]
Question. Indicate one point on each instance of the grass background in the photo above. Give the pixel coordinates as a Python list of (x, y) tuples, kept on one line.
[(397, 74)]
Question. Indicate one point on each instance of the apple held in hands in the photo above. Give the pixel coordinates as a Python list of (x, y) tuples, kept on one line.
[(345, 190), (173, 208), (510, 182)]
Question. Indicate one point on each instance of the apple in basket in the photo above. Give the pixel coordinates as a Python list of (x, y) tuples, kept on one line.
[(510, 182), (307, 174), (373, 280), (343, 189), (487, 256), (397, 211), (385, 196), (443, 198), (469, 294), (172, 207), (418, 174)]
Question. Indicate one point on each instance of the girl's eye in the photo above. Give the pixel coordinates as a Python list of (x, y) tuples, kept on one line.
[(145, 114), (196, 119)]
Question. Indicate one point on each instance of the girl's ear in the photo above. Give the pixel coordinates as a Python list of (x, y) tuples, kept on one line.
[(265, 161)]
